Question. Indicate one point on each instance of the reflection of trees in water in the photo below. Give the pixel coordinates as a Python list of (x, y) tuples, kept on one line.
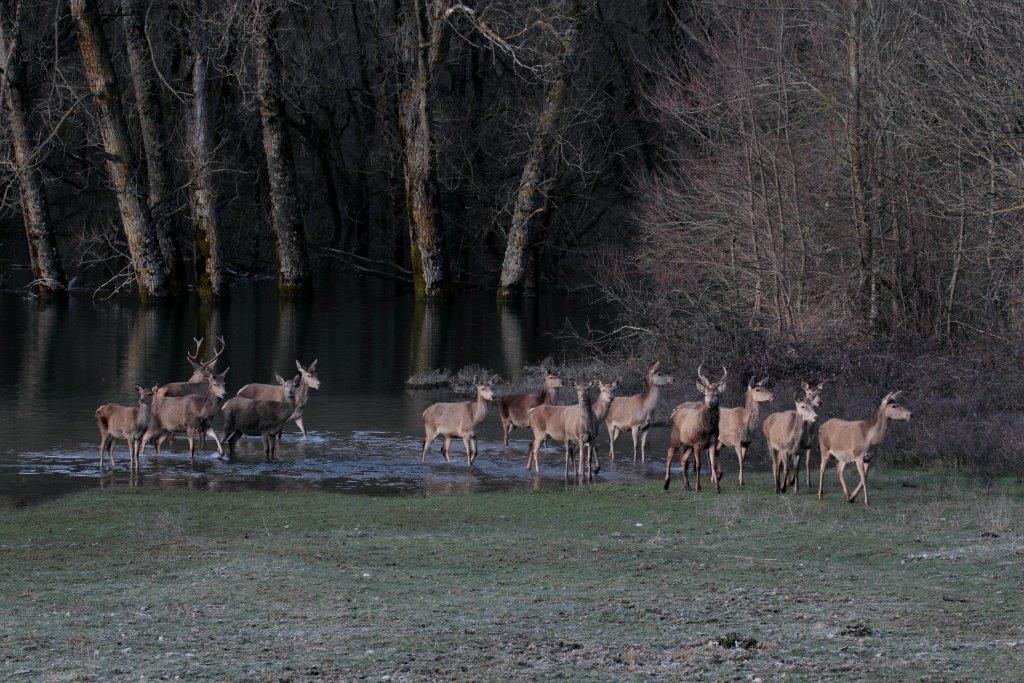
[(292, 322), (515, 321), (427, 336), (34, 383), (146, 340)]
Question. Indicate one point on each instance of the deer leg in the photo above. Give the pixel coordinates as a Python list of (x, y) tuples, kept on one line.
[(840, 466), (505, 430), (266, 447), (428, 439), (807, 457), (696, 464), (668, 463), (191, 438), (469, 449), (613, 433), (713, 464), (861, 470), (445, 446), (635, 433), (533, 456), (784, 467), (643, 442), (232, 439), (220, 447), (821, 472), (684, 465), (864, 481), (741, 455)]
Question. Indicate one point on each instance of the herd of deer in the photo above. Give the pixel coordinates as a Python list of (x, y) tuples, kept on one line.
[(265, 409), (694, 427), (189, 407)]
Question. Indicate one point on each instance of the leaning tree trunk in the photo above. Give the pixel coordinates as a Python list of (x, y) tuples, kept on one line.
[(50, 280), (517, 276), (154, 141), (209, 260), (431, 271), (143, 243), (292, 261)]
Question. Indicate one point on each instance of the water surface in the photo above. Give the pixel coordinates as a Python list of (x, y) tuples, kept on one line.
[(58, 363)]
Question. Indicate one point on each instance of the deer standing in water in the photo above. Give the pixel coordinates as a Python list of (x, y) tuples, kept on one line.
[(306, 380), (457, 420), (853, 441), (259, 417), (694, 428), (514, 409), (562, 423), (189, 414), (202, 371), (124, 423), (599, 409), (786, 433), (634, 412), (736, 425)]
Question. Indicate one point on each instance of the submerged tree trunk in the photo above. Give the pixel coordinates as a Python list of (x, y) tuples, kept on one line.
[(517, 276), (209, 265), (160, 179), (431, 270), (292, 260), (150, 267), (49, 278)]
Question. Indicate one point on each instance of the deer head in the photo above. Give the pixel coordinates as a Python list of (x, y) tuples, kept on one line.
[(146, 395), (551, 380), (485, 390), (892, 409), (308, 374), (217, 387), (759, 391), (607, 388), (812, 392), (658, 379), (805, 409), (712, 390)]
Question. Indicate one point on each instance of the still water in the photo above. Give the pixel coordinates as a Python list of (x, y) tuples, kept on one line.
[(59, 363)]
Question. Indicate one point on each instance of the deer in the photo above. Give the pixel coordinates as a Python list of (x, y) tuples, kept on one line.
[(599, 410), (853, 441), (306, 380), (514, 409), (457, 420), (693, 428), (736, 425), (189, 414), (812, 394), (562, 423), (786, 432), (259, 417), (634, 412), (201, 373), (124, 423)]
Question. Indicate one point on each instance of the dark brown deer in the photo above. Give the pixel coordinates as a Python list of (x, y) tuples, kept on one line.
[(307, 380), (514, 409), (809, 440), (124, 423), (853, 441), (634, 412), (785, 433), (259, 417), (694, 428), (457, 420), (201, 373), (188, 414), (736, 425)]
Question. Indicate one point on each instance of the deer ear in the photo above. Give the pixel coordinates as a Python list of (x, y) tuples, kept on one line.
[(750, 382), (139, 388), (224, 374), (155, 388), (805, 386), (700, 386), (299, 366), (312, 366), (654, 368), (279, 379)]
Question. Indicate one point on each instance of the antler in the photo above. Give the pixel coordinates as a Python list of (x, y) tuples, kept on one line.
[(700, 375), (216, 354), (194, 357), (725, 373)]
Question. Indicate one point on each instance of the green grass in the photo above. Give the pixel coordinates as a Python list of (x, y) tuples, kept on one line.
[(603, 581)]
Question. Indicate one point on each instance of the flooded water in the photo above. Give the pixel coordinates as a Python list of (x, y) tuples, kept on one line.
[(59, 363)]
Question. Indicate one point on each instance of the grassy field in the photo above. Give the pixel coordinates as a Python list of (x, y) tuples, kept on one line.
[(602, 581)]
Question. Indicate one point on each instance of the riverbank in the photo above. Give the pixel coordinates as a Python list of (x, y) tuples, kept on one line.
[(608, 581)]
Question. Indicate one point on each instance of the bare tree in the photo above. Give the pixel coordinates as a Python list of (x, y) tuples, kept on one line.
[(50, 280), (148, 261)]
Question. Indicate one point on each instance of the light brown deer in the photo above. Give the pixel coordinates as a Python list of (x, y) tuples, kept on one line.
[(306, 380), (599, 409), (188, 414), (634, 412), (457, 420), (567, 424), (736, 425), (201, 373), (258, 417), (853, 440), (785, 433), (812, 394), (693, 428), (124, 423), (514, 409)]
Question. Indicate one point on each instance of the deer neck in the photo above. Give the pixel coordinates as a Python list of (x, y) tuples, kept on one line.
[(709, 418), (877, 427), (301, 394), (751, 409), (145, 412), (649, 398), (547, 394), (600, 409), (479, 409)]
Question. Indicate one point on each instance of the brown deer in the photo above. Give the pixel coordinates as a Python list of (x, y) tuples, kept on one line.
[(694, 428), (786, 433), (201, 373), (599, 410), (306, 380), (457, 420), (189, 414), (853, 440), (736, 425), (634, 412), (812, 394), (514, 409), (562, 423), (124, 423), (259, 417)]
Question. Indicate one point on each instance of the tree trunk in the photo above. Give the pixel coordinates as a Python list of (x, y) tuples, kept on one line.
[(160, 179), (209, 261), (292, 260), (431, 271), (143, 243), (50, 281), (865, 228)]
